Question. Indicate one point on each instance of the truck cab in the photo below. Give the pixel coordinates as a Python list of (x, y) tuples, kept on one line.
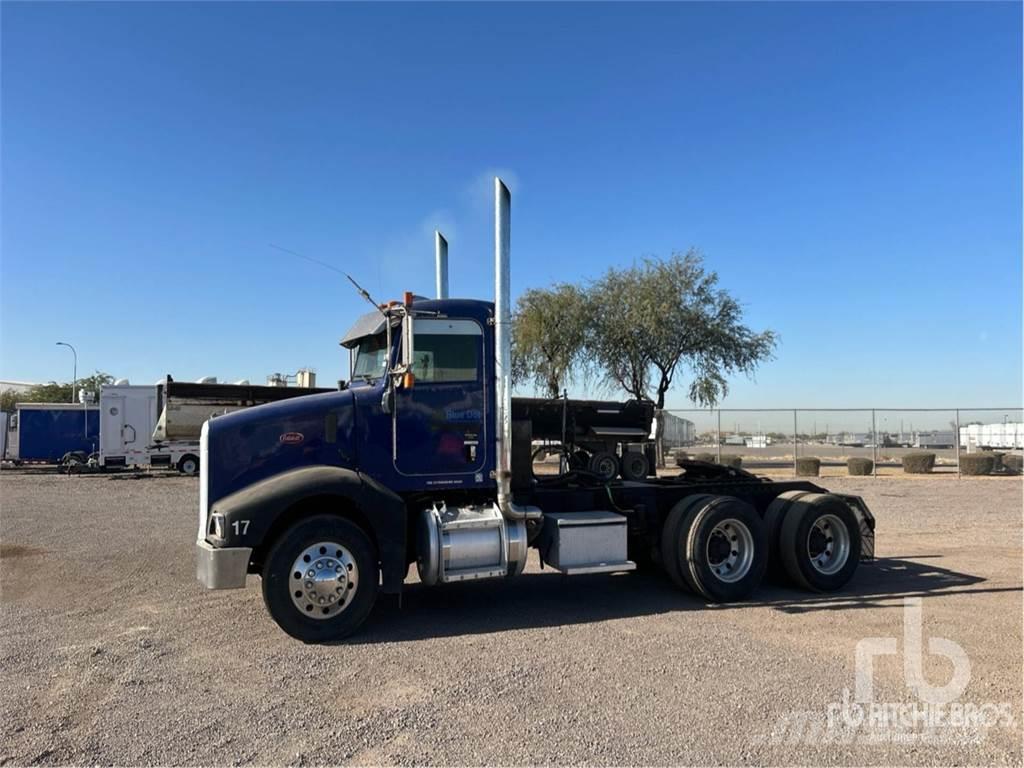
[(431, 428)]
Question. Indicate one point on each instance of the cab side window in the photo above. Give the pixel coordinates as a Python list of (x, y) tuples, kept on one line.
[(447, 351)]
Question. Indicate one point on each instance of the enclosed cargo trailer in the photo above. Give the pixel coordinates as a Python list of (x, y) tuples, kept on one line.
[(47, 432)]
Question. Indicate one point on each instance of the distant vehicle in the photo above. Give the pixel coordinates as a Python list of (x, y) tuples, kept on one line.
[(934, 439), (128, 416), (1007, 435), (159, 425), (182, 407), (52, 432)]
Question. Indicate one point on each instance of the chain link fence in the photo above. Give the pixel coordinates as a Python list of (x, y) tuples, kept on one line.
[(773, 440)]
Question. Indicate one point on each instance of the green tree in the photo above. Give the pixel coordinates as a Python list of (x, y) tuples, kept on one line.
[(54, 392), (549, 331), (658, 317)]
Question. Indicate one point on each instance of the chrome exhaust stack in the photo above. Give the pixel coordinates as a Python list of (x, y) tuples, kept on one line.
[(441, 265), (503, 356)]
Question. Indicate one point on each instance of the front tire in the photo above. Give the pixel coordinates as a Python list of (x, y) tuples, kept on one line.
[(320, 579)]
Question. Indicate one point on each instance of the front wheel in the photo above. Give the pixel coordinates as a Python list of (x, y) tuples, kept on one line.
[(320, 580)]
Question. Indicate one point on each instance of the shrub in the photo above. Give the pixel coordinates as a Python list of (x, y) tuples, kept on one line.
[(679, 456), (859, 466), (997, 460), (918, 463), (977, 464), (731, 461), (808, 466), (1013, 463), (708, 457)]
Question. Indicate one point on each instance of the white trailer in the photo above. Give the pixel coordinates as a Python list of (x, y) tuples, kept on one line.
[(936, 438), (128, 416), (1008, 435)]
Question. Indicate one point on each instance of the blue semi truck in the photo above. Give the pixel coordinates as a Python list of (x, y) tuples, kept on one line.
[(424, 457)]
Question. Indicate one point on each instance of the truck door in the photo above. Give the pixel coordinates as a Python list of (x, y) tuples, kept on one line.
[(112, 425), (439, 422), (139, 420)]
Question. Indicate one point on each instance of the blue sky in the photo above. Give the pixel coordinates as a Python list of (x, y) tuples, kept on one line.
[(852, 171)]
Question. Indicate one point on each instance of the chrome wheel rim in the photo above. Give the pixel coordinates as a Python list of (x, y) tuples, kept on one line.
[(323, 580), (730, 550), (828, 545)]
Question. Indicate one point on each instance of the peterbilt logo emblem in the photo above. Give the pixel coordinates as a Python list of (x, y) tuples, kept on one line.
[(292, 438)]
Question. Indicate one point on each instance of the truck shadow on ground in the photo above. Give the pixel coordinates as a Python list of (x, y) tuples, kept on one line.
[(547, 599)]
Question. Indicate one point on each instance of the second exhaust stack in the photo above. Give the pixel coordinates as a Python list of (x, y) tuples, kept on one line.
[(441, 264)]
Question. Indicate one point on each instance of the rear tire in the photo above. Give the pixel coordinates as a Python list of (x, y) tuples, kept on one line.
[(296, 603), (605, 465), (634, 466), (819, 543), (727, 550), (674, 535), (773, 520), (717, 546), (189, 465)]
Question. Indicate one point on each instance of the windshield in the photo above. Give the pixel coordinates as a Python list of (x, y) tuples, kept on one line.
[(371, 358)]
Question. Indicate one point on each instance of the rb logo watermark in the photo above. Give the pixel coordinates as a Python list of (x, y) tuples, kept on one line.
[(937, 715)]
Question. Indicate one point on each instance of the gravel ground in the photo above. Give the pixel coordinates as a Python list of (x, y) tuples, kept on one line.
[(112, 654)]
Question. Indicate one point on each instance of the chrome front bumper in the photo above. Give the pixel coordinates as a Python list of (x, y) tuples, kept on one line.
[(221, 567)]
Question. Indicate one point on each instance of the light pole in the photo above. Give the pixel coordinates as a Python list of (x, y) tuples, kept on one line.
[(74, 370)]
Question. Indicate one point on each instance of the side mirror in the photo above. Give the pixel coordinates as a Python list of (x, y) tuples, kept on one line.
[(407, 342)]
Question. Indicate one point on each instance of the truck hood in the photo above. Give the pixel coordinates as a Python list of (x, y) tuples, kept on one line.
[(247, 446)]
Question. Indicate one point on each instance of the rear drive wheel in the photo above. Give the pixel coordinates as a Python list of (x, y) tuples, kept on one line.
[(819, 543), (634, 466), (320, 579), (189, 465), (605, 465), (674, 535), (773, 519), (721, 549)]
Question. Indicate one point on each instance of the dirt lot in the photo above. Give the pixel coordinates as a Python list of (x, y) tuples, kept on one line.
[(112, 654)]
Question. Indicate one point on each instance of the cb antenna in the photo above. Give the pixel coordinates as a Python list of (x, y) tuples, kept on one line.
[(362, 291), (365, 294)]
